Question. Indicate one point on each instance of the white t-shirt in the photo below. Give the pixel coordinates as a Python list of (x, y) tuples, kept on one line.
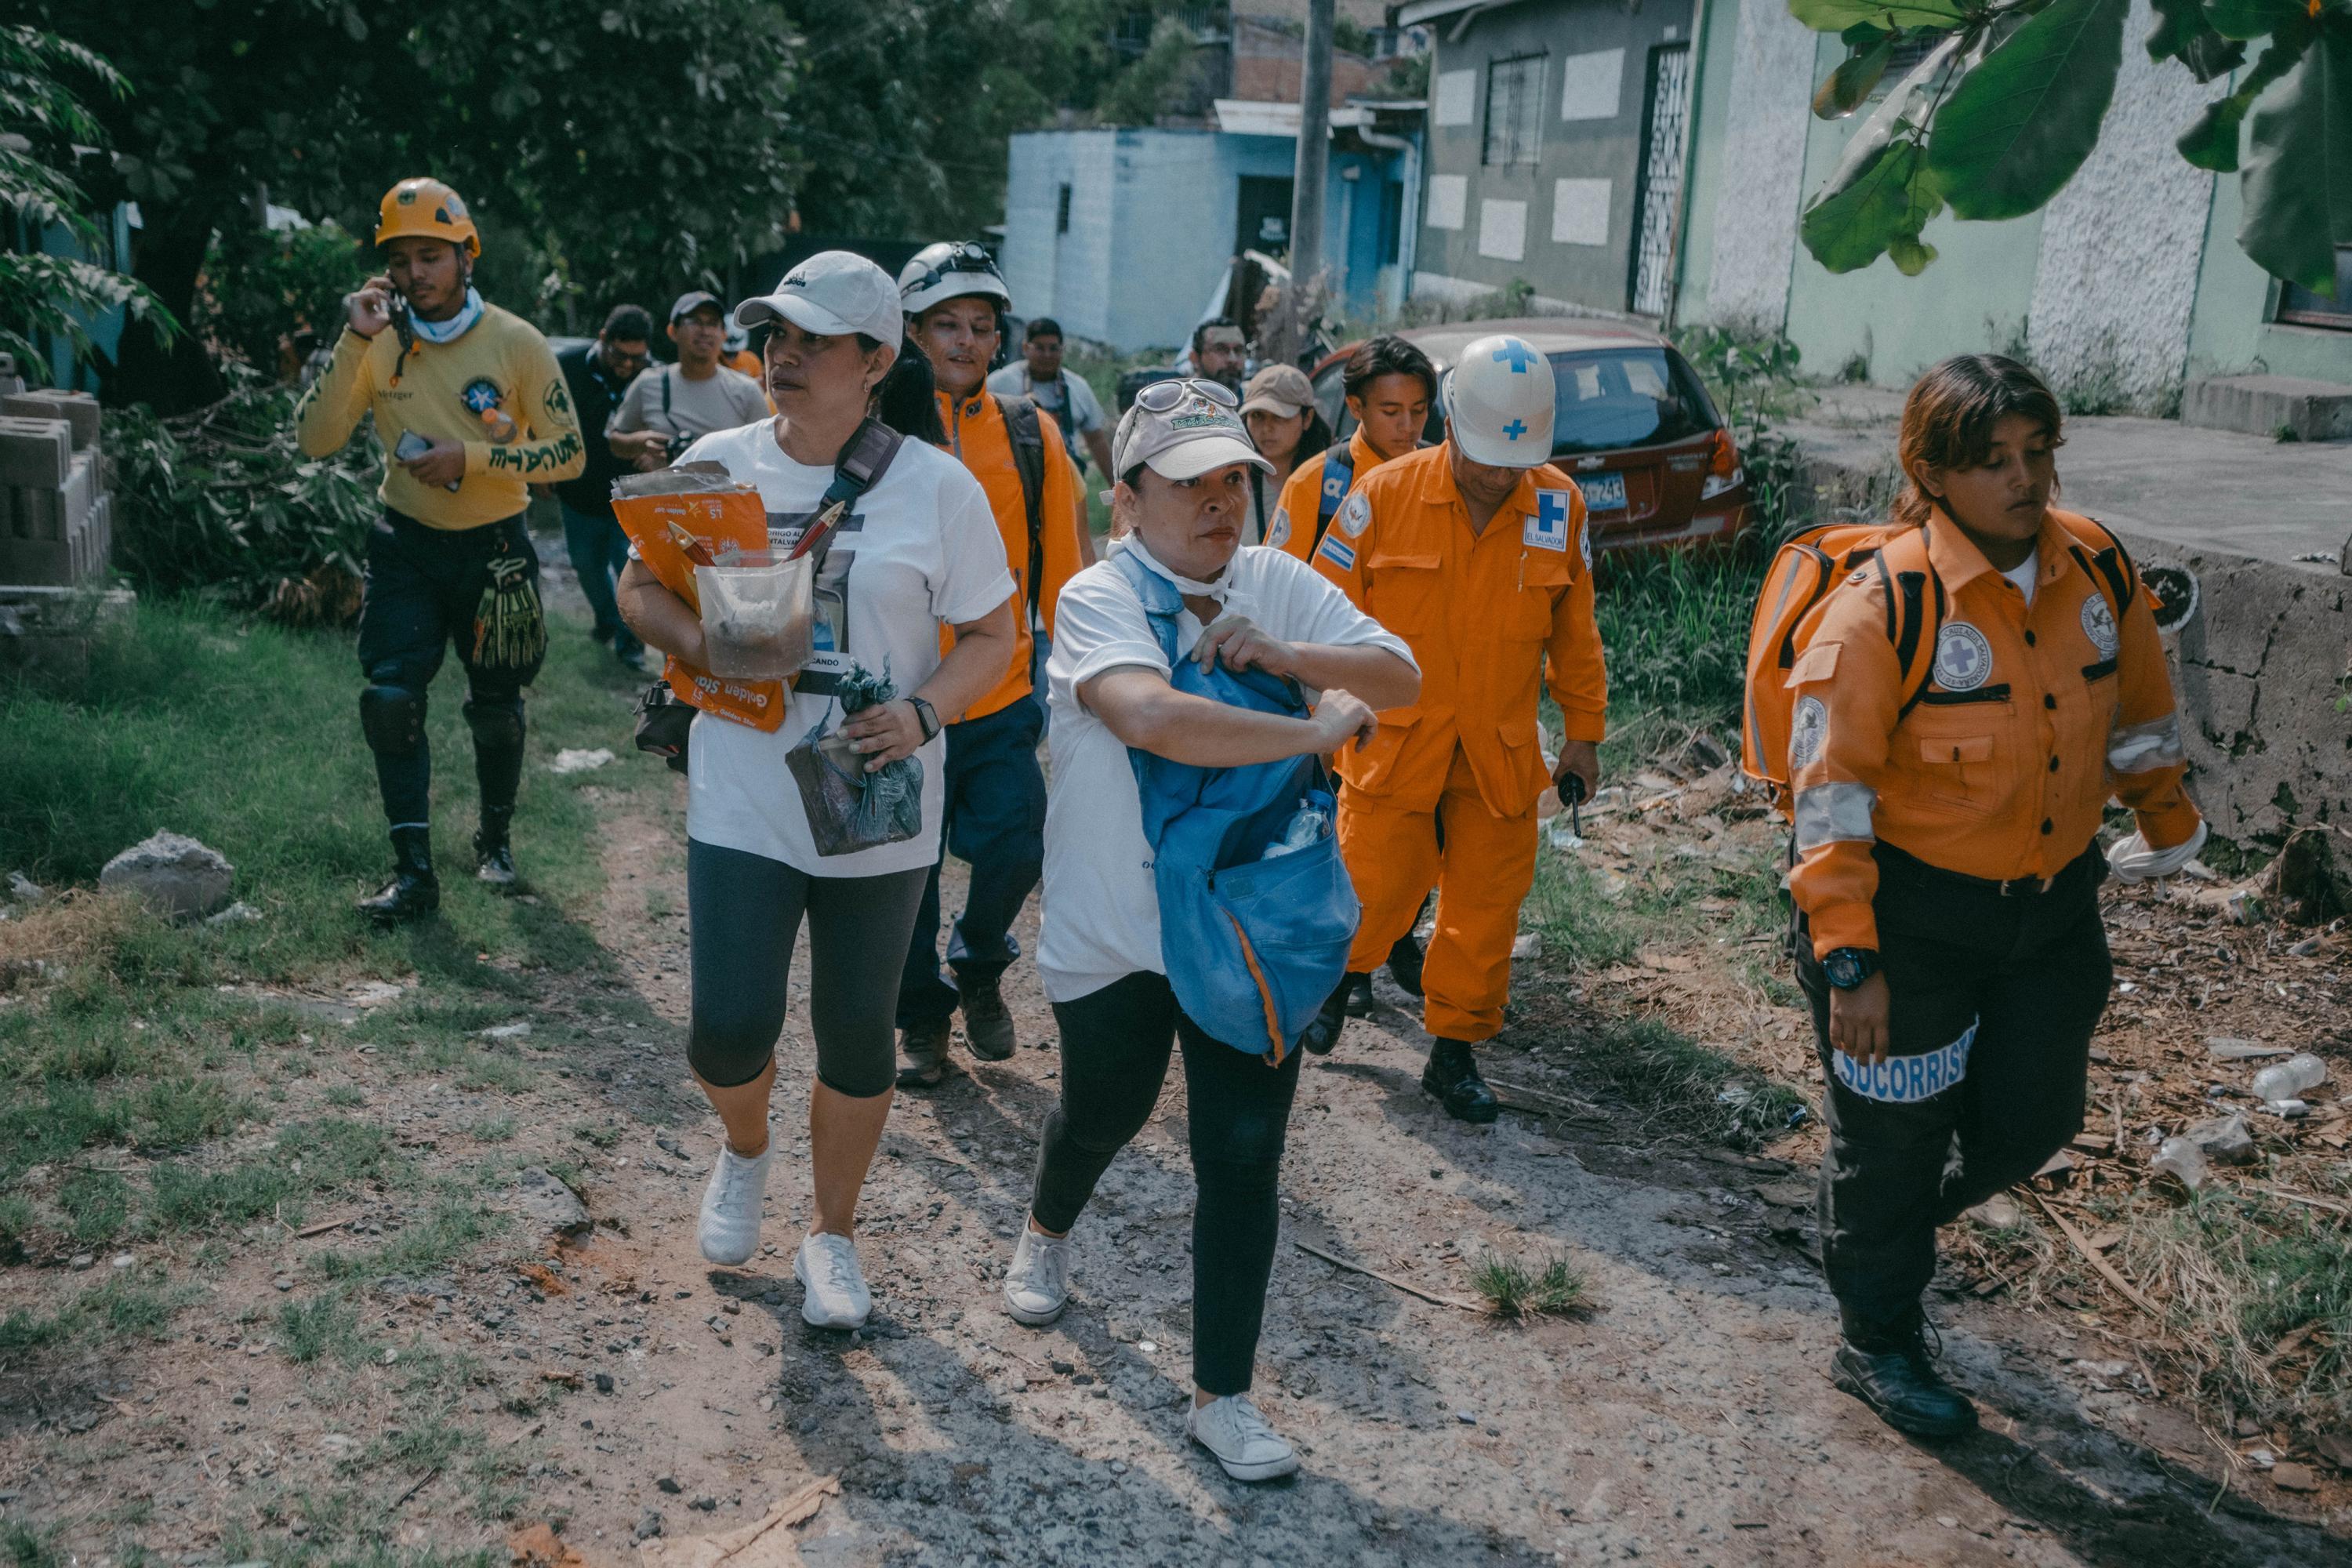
[(1086, 412), (1102, 909), (918, 549), (2025, 574)]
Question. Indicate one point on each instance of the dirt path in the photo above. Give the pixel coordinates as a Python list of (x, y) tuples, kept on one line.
[(1686, 1419)]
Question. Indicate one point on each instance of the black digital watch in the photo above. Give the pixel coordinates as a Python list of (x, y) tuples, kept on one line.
[(926, 718), (1847, 967)]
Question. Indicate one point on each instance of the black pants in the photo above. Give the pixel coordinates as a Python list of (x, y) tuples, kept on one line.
[(1994, 1000), (1115, 1046), (994, 819), (743, 913), (423, 588)]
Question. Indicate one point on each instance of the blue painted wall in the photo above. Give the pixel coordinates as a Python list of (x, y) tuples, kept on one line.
[(1151, 225)]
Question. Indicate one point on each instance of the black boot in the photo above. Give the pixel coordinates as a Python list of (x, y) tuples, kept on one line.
[(1404, 963), (1890, 1371), (1452, 1077), (413, 891), (923, 1054), (1323, 1029), (1359, 1001), (493, 854), (987, 1021)]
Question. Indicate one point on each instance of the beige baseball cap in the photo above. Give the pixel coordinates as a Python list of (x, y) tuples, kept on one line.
[(1278, 389), (1182, 429)]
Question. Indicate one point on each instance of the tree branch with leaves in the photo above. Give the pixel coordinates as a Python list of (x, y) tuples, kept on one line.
[(2011, 97)]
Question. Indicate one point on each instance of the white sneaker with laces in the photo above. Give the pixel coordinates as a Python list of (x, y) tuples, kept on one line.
[(1232, 1429), (826, 1266), (731, 1205), (1037, 1285)]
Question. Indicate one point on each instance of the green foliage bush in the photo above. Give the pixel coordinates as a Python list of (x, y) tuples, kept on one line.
[(262, 289), (221, 504)]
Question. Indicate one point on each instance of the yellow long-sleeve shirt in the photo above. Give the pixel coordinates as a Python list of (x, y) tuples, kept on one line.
[(496, 389)]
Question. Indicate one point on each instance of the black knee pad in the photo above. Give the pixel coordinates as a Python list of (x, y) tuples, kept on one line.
[(392, 719), (496, 726)]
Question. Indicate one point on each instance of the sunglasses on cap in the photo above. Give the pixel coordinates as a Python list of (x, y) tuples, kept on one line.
[(966, 258), (1161, 397)]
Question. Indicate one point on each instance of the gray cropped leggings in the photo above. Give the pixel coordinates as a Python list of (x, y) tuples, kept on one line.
[(743, 913)]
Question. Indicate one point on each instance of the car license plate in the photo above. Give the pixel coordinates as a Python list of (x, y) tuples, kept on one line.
[(1603, 492)]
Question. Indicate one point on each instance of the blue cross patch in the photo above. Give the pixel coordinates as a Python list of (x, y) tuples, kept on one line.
[(1548, 525), (1516, 428), (1515, 354)]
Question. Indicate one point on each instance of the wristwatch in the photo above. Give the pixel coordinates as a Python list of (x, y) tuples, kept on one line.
[(1847, 967), (925, 716)]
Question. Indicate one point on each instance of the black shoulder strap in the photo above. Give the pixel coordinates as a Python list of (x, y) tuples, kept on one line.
[(2115, 563), (1339, 478), (864, 459), (665, 381), (1029, 459)]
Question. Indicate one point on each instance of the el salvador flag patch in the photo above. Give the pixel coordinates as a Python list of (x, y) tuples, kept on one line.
[(1547, 524), (1336, 551)]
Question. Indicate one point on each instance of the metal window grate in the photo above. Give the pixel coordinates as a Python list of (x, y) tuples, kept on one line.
[(1514, 110), (1062, 210), (1663, 132)]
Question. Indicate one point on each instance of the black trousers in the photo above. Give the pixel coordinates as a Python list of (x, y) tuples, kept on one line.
[(1115, 1047), (424, 587), (993, 818), (1994, 1000)]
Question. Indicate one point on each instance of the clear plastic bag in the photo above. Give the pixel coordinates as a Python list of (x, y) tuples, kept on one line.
[(848, 808), (759, 615)]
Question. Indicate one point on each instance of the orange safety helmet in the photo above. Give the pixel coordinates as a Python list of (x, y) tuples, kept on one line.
[(427, 209)]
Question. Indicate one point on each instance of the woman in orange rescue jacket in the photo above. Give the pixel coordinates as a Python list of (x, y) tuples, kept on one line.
[(1947, 876)]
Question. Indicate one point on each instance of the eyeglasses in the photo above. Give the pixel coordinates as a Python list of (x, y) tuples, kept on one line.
[(1162, 395), (964, 258)]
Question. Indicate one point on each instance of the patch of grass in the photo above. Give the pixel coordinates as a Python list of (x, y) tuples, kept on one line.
[(97, 1205), (320, 1326), (346, 1096), (313, 1159), (26, 1549), (602, 1136), (494, 1129), (451, 1229), (1676, 629), (1514, 1288), (121, 1307), (1688, 1087)]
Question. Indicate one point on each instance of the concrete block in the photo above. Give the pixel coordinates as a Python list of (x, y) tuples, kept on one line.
[(10, 384), (41, 513), (2266, 405), (35, 453), (38, 561), (80, 490), (78, 409)]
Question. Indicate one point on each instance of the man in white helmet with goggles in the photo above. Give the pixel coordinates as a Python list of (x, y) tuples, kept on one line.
[(1476, 552)]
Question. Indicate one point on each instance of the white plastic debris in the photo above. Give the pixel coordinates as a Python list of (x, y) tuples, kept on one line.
[(2183, 1159), (2289, 1079), (574, 760)]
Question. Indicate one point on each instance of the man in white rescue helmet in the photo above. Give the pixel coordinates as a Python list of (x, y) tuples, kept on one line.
[(954, 301), (1474, 552)]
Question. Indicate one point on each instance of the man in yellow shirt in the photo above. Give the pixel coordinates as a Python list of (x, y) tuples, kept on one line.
[(472, 410), (996, 818)]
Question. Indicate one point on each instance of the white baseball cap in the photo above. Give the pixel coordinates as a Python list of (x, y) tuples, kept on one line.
[(833, 293), (1182, 429)]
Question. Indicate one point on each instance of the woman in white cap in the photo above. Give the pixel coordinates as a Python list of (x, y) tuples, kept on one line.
[(916, 550), (1183, 464), (1286, 429)]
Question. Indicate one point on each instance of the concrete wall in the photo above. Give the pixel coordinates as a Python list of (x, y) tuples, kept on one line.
[(1755, 107), (1151, 225), (1582, 141), (2231, 331)]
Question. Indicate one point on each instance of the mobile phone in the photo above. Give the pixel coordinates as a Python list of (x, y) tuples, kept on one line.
[(412, 445)]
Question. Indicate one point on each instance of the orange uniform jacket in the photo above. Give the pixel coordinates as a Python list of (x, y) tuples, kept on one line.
[(1486, 617), (976, 433), (2030, 719), (1292, 527)]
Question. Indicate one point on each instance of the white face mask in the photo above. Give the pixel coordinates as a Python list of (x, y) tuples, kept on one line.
[(1197, 590)]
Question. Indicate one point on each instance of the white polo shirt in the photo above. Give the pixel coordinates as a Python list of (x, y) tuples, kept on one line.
[(1101, 921)]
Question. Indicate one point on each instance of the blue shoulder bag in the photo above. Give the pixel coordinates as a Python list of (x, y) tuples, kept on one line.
[(1253, 945)]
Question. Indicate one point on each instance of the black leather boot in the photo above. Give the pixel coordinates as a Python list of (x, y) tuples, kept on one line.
[(1890, 1371), (1404, 963), (1323, 1032), (413, 891), (1359, 1001), (493, 853), (1452, 1077), (987, 1021)]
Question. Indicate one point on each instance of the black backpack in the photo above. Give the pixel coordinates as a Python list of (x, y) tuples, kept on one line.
[(1024, 426)]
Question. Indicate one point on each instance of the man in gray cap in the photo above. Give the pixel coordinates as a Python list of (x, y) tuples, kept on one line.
[(670, 406), (1183, 493)]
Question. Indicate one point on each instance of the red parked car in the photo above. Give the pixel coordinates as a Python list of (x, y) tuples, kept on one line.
[(1633, 427)]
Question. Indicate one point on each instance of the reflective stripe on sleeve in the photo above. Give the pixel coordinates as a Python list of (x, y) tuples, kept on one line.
[(1835, 814), (2144, 748)]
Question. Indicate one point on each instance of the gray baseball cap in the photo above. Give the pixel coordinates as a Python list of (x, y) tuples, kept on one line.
[(832, 293), (1191, 435)]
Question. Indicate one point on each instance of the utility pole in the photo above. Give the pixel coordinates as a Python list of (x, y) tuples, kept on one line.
[(1314, 159)]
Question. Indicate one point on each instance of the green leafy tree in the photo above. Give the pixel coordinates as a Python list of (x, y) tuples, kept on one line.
[(2009, 101), (44, 128)]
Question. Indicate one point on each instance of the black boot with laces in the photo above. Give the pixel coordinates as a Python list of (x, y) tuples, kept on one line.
[(413, 891), (1891, 1370)]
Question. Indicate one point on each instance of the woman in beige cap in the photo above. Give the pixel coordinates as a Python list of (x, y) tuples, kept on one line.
[(1286, 429)]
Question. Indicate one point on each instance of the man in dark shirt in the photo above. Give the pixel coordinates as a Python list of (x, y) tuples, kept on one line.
[(597, 374)]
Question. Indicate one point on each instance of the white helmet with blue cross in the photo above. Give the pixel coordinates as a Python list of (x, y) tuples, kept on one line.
[(1499, 403)]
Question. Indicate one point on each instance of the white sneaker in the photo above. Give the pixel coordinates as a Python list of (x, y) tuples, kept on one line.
[(1037, 1285), (826, 1266), (731, 1205), (1232, 1429)]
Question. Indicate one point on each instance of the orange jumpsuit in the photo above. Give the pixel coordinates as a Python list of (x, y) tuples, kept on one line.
[(2030, 717), (976, 433), (1491, 617), (1292, 527)]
